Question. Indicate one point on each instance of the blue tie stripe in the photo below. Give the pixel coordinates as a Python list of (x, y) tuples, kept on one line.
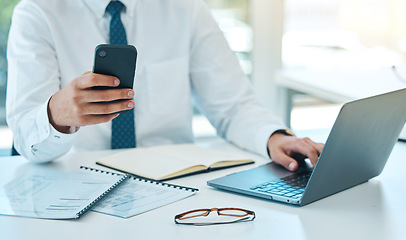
[(123, 127)]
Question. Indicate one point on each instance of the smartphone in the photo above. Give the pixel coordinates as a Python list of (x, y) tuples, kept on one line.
[(116, 60)]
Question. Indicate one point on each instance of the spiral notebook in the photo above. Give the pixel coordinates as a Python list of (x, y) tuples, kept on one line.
[(49, 194)]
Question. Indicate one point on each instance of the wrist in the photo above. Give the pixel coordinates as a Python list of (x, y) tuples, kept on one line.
[(274, 137), (59, 128)]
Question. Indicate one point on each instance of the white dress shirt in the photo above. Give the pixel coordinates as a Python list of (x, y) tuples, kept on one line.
[(182, 54)]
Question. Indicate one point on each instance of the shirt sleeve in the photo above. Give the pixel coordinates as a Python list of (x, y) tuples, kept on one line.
[(33, 77), (223, 91)]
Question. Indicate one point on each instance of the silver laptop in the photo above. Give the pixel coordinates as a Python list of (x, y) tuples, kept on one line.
[(356, 150)]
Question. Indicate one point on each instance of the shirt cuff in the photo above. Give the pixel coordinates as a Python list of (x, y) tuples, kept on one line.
[(262, 139)]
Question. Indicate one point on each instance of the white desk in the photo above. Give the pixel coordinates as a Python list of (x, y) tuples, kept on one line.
[(373, 210), (336, 86)]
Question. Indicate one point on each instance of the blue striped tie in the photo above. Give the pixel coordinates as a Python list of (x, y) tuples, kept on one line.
[(123, 126)]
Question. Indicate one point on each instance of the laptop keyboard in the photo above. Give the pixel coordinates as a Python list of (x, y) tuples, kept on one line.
[(291, 186)]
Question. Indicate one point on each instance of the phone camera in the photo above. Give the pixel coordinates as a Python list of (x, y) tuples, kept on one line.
[(102, 53)]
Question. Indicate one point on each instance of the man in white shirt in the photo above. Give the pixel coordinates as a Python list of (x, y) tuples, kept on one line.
[(181, 54)]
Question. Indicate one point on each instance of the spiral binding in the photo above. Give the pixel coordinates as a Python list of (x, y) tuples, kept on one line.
[(125, 177), (101, 171), (147, 180)]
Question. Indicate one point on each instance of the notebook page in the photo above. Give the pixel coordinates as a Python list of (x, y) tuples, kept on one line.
[(136, 196), (196, 155), (145, 162)]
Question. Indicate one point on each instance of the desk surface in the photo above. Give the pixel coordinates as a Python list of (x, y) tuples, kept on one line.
[(373, 210), (340, 86)]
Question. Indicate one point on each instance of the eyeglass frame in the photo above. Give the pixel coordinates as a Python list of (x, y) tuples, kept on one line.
[(207, 211)]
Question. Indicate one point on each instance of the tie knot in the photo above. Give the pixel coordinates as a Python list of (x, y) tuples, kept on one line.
[(115, 7)]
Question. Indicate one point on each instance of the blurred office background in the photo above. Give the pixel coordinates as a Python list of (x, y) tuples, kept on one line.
[(273, 35)]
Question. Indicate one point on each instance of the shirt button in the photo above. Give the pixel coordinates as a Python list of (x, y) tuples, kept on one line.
[(33, 150)]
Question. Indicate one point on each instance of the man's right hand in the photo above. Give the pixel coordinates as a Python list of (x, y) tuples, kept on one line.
[(78, 105)]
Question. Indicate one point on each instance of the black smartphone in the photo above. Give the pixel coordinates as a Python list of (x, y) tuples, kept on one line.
[(116, 60)]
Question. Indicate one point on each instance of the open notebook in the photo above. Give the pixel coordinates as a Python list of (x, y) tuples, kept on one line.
[(171, 161)]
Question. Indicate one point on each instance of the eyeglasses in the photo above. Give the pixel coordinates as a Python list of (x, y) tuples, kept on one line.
[(202, 217)]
